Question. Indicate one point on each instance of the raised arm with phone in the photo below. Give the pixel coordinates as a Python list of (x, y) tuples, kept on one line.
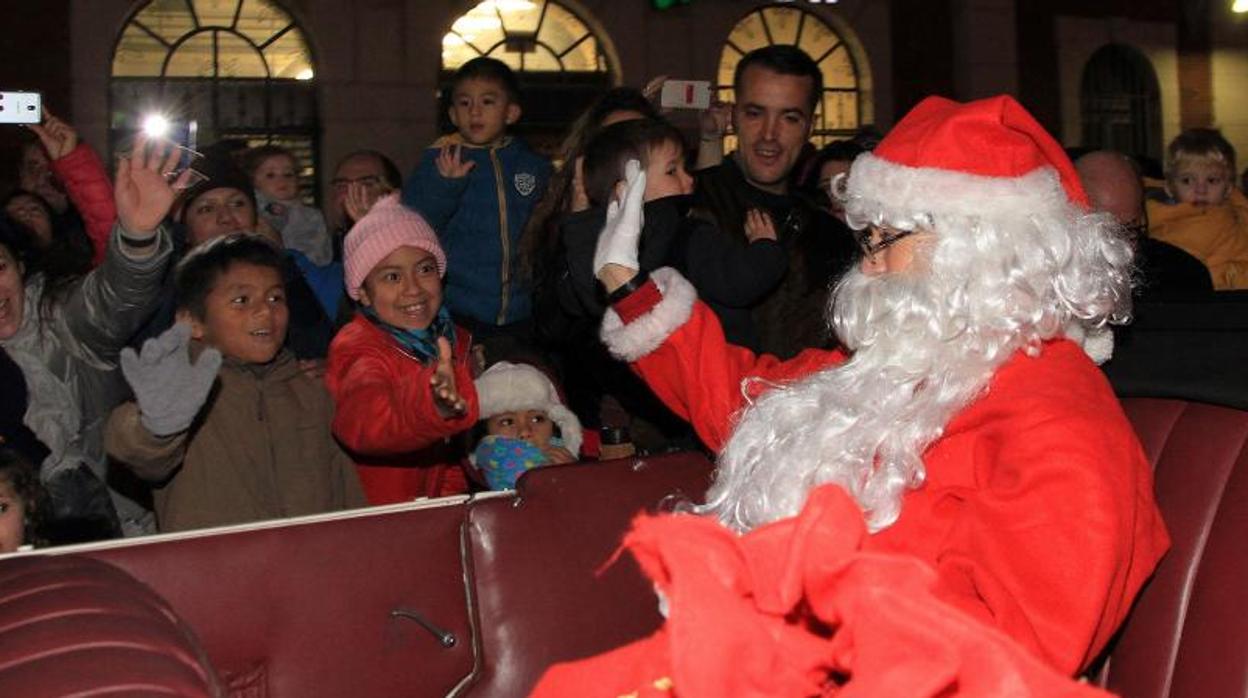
[(84, 178), (714, 115), (17, 107), (67, 337)]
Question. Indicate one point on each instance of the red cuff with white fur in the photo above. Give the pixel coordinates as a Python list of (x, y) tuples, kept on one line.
[(639, 302), (641, 321)]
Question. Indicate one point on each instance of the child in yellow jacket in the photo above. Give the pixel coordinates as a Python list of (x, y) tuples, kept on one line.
[(1203, 212)]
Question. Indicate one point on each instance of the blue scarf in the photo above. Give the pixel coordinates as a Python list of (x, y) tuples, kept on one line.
[(423, 344)]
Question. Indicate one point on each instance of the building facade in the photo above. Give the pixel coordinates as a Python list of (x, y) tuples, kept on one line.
[(331, 76)]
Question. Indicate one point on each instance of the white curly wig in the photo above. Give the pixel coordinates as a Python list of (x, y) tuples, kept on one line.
[(1012, 262)]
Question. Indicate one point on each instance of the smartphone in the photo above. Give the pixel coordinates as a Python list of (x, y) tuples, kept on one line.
[(685, 94), (21, 108), (185, 135)]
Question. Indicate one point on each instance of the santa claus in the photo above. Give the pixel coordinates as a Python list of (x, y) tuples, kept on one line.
[(967, 419)]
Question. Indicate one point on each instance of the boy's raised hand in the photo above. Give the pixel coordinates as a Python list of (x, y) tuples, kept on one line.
[(170, 389), (143, 194), (451, 164), (446, 397), (58, 137), (615, 256)]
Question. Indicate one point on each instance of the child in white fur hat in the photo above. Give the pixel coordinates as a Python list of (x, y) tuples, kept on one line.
[(526, 425)]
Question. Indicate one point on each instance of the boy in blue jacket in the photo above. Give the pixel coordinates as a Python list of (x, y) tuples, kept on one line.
[(477, 188)]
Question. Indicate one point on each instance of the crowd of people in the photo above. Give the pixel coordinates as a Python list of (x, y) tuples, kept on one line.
[(895, 337)]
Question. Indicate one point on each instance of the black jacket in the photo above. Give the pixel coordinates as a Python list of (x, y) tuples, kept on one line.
[(1168, 273), (819, 248), (730, 275)]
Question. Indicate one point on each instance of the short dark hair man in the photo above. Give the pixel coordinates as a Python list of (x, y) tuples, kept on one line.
[(777, 89)]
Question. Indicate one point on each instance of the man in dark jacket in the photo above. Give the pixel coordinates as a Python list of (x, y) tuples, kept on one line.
[(776, 89)]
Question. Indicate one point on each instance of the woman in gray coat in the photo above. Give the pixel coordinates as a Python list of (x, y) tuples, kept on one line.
[(66, 337)]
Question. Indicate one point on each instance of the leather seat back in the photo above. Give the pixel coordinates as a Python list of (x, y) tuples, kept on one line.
[(518, 582), (544, 588), (70, 625), (305, 609), (1188, 633)]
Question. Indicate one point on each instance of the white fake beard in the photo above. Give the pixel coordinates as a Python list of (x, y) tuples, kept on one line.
[(865, 424)]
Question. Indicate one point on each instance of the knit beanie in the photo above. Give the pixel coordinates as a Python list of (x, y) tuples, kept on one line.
[(387, 226), (215, 173), (508, 387)]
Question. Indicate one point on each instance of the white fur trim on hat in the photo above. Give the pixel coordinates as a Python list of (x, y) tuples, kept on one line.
[(895, 192), (508, 387), (643, 335)]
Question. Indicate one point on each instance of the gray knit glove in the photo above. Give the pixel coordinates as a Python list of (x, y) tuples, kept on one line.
[(170, 389)]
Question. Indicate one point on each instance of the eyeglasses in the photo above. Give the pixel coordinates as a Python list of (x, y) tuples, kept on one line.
[(368, 181), (888, 237)]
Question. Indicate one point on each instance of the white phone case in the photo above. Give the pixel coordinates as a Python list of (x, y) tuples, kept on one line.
[(21, 108), (685, 94)]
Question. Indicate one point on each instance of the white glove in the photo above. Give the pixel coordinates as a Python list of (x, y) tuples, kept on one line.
[(621, 234)]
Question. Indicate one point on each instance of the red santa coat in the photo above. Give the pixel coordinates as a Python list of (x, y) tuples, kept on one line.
[(798, 608), (1037, 513), (386, 418)]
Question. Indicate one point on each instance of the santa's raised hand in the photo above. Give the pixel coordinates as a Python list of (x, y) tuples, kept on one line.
[(615, 257)]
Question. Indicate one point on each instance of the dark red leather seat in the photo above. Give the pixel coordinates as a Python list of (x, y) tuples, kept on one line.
[(305, 609), (497, 588), (72, 625), (1187, 636), (542, 590)]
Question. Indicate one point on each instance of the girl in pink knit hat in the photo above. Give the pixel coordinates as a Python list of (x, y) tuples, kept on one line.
[(400, 371)]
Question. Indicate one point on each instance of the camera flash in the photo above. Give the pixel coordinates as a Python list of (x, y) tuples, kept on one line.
[(155, 126)]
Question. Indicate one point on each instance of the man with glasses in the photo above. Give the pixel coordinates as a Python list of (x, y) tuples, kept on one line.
[(1166, 272), (361, 177), (967, 447)]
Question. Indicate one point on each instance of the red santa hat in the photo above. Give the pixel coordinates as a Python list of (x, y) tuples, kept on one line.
[(980, 158)]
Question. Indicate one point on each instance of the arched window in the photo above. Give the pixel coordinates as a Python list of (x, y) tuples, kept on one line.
[(1120, 102), (239, 69), (840, 111), (562, 64)]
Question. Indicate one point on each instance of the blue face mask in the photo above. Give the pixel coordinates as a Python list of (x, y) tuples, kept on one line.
[(502, 459)]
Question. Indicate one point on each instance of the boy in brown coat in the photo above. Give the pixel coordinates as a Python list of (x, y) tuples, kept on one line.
[(224, 420)]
